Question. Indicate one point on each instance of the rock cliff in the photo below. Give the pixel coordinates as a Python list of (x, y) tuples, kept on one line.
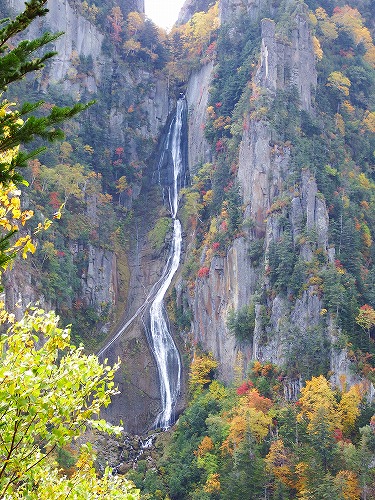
[(82, 41), (197, 97), (229, 9), (80, 35), (190, 7), (274, 212)]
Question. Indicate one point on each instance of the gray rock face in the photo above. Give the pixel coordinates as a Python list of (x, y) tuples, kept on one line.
[(81, 38), (79, 35), (132, 5), (315, 209), (99, 283), (197, 95), (156, 107), (230, 9), (227, 287), (99, 279), (261, 171), (190, 7), (288, 62), (19, 290)]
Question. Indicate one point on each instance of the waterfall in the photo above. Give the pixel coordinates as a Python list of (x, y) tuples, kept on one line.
[(164, 349), (152, 310)]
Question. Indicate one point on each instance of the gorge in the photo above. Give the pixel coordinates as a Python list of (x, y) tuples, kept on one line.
[(217, 236), (152, 310)]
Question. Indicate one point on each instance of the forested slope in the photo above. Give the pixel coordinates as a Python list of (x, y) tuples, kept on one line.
[(276, 293)]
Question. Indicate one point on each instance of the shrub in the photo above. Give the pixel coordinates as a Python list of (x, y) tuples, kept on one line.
[(241, 323), (203, 272), (158, 234)]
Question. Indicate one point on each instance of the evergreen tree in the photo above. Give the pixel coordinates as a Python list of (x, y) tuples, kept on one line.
[(19, 126), (16, 61)]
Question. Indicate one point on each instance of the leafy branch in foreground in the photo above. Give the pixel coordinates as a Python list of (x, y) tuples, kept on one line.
[(50, 393)]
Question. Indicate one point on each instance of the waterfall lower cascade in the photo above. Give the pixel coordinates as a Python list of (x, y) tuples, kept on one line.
[(164, 349)]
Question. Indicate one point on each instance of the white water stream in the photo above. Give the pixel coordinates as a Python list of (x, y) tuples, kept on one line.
[(165, 351), (161, 342)]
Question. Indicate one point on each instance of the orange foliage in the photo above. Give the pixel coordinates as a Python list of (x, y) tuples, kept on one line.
[(205, 446), (348, 482), (212, 484), (260, 403), (350, 20), (247, 420), (117, 20), (278, 464), (238, 426)]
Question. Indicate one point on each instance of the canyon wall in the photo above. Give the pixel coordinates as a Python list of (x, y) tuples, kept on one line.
[(83, 40), (264, 167)]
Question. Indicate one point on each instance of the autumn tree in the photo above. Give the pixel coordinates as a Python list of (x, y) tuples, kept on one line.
[(366, 318), (339, 82), (89, 11), (349, 19), (201, 372), (189, 42), (134, 23), (122, 186), (279, 464), (116, 20), (349, 407), (67, 179)]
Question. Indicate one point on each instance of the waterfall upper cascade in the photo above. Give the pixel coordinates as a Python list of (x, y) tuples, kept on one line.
[(163, 347)]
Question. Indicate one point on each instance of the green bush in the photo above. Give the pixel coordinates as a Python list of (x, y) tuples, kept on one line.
[(241, 323), (158, 234)]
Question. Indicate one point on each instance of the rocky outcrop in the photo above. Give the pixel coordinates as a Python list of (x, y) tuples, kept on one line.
[(190, 7), (99, 277), (100, 281), (20, 290), (132, 5), (155, 106), (197, 95), (288, 62), (230, 9), (80, 37), (83, 41), (263, 172), (226, 288)]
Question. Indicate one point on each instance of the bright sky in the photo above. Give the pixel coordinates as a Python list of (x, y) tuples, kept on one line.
[(164, 13)]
